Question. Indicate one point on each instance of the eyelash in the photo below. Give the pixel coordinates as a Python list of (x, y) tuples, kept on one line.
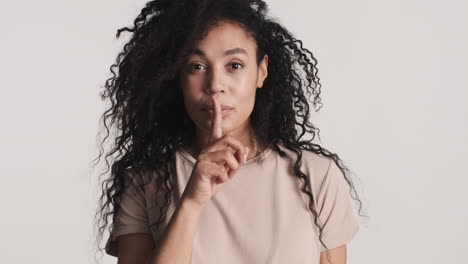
[(197, 64)]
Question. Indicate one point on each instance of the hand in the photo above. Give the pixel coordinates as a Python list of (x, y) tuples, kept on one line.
[(217, 162)]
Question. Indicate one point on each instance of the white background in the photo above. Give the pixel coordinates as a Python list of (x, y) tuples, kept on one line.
[(394, 88)]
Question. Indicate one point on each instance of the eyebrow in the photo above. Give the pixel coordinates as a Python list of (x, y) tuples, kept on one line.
[(226, 53)]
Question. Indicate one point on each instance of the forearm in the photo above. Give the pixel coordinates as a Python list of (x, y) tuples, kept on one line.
[(175, 246)]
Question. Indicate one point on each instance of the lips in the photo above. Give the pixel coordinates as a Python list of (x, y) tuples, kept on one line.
[(210, 107)]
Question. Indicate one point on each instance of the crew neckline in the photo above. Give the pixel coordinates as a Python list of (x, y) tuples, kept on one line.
[(262, 156)]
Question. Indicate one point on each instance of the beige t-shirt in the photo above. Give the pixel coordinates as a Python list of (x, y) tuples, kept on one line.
[(258, 216)]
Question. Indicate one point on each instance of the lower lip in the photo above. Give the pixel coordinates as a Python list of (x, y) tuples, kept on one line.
[(224, 112)]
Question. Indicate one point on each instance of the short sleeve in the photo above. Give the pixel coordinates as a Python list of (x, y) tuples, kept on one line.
[(132, 217), (335, 209)]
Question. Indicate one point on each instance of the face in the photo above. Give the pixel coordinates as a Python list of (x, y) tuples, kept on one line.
[(223, 65)]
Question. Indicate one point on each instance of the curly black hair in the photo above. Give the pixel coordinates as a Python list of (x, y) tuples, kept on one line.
[(145, 87)]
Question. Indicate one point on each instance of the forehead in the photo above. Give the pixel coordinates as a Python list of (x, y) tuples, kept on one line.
[(225, 39)]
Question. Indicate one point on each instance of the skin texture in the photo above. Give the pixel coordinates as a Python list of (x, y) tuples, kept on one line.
[(218, 79), (337, 255), (232, 79)]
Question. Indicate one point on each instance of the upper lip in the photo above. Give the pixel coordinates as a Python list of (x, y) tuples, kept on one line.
[(210, 107)]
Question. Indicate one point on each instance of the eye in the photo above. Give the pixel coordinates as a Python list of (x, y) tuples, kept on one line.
[(238, 64), (195, 67)]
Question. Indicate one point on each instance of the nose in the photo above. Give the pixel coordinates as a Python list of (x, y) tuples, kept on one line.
[(215, 81)]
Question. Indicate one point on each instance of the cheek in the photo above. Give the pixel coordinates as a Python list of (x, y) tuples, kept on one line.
[(245, 86), (189, 81), (246, 96), (246, 100), (190, 90), (192, 106), (189, 98)]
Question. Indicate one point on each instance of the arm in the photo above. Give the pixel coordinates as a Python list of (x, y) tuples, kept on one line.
[(335, 211), (177, 240), (175, 245), (337, 255)]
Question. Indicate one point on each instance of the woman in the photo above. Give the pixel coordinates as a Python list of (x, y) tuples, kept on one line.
[(211, 165)]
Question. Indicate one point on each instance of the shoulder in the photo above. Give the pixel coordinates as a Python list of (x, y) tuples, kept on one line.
[(310, 161), (315, 166), (138, 181)]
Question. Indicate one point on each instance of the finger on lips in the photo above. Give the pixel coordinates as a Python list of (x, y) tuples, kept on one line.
[(241, 152), (216, 129)]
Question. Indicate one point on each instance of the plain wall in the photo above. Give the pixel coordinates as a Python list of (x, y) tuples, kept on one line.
[(394, 92)]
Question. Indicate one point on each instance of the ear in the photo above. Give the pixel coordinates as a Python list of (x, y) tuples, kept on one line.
[(262, 71)]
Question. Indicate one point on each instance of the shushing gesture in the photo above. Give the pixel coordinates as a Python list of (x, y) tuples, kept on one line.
[(217, 162)]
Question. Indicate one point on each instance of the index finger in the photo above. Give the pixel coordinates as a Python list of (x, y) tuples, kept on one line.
[(216, 129)]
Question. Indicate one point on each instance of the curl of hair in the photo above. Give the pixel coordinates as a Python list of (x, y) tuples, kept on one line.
[(145, 87)]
